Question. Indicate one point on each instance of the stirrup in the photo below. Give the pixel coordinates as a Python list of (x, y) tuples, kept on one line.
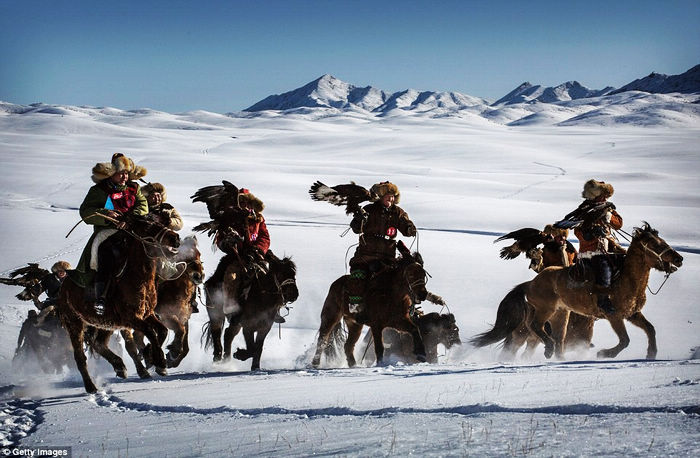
[(99, 306)]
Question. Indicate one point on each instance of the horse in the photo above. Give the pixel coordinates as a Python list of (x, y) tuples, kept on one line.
[(131, 301), (391, 294), (255, 314), (579, 328), (435, 328), (534, 302), (46, 343)]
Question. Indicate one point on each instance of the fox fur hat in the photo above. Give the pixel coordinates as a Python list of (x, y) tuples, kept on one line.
[(119, 163), (594, 189), (60, 265), (154, 187), (246, 199), (384, 188), (555, 231)]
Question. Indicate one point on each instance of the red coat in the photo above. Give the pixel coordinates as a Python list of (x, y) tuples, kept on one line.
[(257, 235)]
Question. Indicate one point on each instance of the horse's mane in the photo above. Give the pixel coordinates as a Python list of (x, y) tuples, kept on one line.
[(646, 228), (281, 262)]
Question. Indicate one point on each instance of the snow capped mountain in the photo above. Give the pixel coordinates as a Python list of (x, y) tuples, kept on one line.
[(657, 83), (571, 90), (330, 92)]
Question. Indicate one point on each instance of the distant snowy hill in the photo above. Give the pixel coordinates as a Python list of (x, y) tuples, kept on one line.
[(657, 83), (571, 90)]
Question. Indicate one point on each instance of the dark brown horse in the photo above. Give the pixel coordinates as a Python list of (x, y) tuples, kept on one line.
[(389, 298), (535, 302), (131, 300), (45, 343), (255, 314), (435, 328), (175, 292)]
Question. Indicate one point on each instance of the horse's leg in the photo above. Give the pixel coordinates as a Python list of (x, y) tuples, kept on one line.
[(148, 326), (185, 346), (354, 332), (133, 350), (249, 350), (579, 331), (537, 324), (639, 320), (175, 347), (234, 327), (259, 342), (76, 331), (559, 321), (618, 326), (514, 341), (378, 344), (100, 343)]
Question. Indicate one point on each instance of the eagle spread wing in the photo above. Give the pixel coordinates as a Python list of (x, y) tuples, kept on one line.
[(29, 278), (586, 214), (526, 239), (350, 195), (218, 198)]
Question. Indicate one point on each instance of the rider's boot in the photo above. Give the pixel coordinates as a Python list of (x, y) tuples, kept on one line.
[(100, 288), (605, 304)]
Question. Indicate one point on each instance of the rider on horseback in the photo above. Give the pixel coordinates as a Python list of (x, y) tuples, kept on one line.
[(114, 195), (595, 237), (161, 211), (377, 224)]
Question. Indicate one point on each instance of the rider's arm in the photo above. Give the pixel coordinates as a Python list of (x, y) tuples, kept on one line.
[(140, 207), (262, 242), (406, 226), (94, 202), (615, 220)]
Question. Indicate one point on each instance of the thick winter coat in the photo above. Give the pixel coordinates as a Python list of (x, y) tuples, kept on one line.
[(379, 231)]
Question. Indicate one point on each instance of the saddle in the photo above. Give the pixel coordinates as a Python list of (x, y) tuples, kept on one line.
[(583, 270)]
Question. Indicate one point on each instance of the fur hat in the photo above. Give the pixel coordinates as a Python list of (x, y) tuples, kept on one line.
[(60, 265), (555, 231), (246, 199), (594, 189), (154, 187), (119, 163), (384, 188)]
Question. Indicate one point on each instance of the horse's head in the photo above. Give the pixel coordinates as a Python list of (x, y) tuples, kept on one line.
[(284, 272), (188, 252), (443, 327), (657, 252), (415, 276), (155, 235)]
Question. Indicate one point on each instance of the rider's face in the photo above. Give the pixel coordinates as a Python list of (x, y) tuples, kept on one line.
[(388, 200), (155, 198), (61, 273), (120, 178)]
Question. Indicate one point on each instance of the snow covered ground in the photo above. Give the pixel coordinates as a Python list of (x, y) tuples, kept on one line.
[(464, 180)]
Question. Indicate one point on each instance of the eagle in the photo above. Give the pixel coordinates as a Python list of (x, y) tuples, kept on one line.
[(526, 239), (350, 195), (219, 199), (587, 214), (29, 278)]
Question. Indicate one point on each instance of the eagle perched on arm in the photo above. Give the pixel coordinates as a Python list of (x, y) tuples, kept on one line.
[(29, 278), (350, 195), (526, 239)]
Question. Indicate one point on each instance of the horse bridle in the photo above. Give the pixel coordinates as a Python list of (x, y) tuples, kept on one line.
[(288, 281), (413, 284)]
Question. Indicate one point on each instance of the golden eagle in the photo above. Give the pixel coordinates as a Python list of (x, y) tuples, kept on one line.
[(350, 195), (29, 278)]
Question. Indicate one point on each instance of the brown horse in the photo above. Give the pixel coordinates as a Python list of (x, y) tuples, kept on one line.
[(174, 308), (131, 301), (579, 328), (534, 302), (435, 328), (391, 293), (255, 315)]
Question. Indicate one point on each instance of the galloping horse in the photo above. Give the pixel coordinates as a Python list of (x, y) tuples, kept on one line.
[(390, 295), (174, 308), (534, 302), (131, 302), (435, 328), (255, 315)]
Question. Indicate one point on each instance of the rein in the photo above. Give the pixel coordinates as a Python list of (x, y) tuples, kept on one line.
[(658, 256)]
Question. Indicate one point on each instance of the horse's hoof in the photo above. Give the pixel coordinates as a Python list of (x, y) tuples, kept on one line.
[(161, 371), (421, 358), (144, 374), (217, 359), (548, 352), (121, 373), (90, 388), (242, 354)]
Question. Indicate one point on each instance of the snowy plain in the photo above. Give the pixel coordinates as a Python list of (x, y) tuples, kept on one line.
[(464, 180)]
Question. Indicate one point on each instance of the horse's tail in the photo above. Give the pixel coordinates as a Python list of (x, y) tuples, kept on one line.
[(207, 340), (336, 341), (512, 311)]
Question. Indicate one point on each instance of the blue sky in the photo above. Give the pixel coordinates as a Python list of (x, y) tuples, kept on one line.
[(226, 55)]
